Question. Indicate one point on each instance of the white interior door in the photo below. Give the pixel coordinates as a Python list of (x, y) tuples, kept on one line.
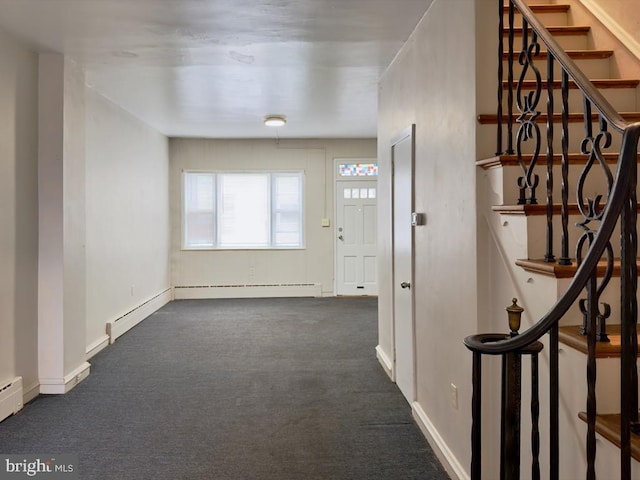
[(356, 237), (402, 158)]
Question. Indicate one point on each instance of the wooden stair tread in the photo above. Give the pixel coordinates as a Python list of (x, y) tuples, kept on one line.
[(557, 31), (488, 119), (570, 336), (553, 269), (558, 8), (512, 160), (574, 54), (608, 426), (603, 83)]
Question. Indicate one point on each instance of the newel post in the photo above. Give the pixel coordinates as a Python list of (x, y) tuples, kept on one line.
[(511, 402)]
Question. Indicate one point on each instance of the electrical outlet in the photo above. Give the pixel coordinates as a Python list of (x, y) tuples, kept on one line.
[(453, 392), (133, 290)]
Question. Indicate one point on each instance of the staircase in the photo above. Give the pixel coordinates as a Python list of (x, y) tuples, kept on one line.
[(561, 206)]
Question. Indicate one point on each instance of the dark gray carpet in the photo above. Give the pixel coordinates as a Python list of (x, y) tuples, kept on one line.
[(285, 389)]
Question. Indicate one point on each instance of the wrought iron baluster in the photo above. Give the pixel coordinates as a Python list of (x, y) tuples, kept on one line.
[(564, 259), (503, 417), (511, 413), (535, 415), (600, 316), (629, 328), (527, 104), (476, 418), (549, 257), (591, 377), (592, 209), (510, 150), (500, 77), (554, 405)]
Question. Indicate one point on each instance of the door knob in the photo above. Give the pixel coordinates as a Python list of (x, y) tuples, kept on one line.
[(405, 285), (340, 237)]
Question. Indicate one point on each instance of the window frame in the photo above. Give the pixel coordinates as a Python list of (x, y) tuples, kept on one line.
[(215, 211)]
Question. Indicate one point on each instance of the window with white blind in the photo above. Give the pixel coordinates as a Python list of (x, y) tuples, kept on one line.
[(226, 210)]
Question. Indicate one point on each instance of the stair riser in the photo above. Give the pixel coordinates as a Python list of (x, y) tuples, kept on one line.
[(592, 67), (537, 237), (622, 99), (595, 182), (610, 296), (573, 365), (555, 19), (567, 42)]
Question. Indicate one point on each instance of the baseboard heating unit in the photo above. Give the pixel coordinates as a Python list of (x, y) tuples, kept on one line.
[(126, 322), (10, 398), (248, 291)]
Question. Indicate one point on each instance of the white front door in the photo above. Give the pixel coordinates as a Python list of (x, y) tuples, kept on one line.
[(402, 158), (356, 231)]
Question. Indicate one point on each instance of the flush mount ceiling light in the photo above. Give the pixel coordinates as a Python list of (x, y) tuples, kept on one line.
[(275, 120)]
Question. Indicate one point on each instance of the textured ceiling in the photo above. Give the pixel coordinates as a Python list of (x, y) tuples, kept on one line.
[(215, 68)]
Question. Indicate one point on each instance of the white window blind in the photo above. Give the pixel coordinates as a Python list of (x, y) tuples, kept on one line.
[(243, 210), (199, 219)]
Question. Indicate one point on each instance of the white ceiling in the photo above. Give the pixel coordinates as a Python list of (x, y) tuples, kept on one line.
[(215, 68)]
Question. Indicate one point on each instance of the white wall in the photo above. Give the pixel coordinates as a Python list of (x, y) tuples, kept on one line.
[(314, 264), (623, 14), (614, 26), (432, 84), (18, 212), (127, 191), (620, 11)]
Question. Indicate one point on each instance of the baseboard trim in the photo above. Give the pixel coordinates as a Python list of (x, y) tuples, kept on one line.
[(384, 360), (121, 325), (59, 386), (616, 30), (97, 346), (188, 292), (439, 446)]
